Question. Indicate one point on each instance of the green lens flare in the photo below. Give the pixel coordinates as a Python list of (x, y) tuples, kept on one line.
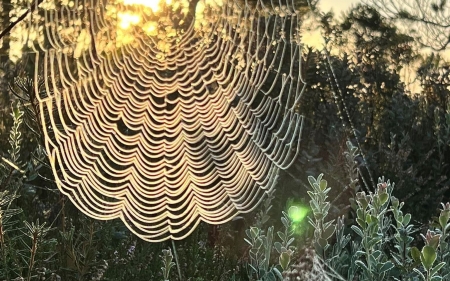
[(297, 213)]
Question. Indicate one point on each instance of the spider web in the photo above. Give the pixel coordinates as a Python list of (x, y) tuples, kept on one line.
[(171, 117)]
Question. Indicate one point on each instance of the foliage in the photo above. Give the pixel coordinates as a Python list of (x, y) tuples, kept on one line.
[(167, 258), (356, 91), (383, 249), (361, 120), (429, 23), (261, 245), (22, 244), (382, 235)]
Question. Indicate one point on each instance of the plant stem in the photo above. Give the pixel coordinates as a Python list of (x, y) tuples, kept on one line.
[(33, 255), (2, 241), (175, 254), (366, 246)]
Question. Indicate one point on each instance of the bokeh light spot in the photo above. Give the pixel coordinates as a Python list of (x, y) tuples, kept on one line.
[(297, 213), (128, 19), (152, 4)]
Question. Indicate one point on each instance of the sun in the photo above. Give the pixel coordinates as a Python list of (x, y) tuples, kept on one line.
[(152, 4), (128, 19)]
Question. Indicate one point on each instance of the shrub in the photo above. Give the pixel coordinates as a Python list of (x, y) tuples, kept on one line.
[(381, 247)]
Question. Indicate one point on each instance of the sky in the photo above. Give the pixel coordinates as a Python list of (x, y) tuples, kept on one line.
[(337, 6), (314, 38)]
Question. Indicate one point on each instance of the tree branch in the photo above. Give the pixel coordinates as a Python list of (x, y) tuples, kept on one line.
[(21, 18)]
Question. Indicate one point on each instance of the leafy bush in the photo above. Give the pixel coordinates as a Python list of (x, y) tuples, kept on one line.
[(381, 247)]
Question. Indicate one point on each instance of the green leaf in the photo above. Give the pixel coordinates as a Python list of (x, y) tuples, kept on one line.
[(443, 218), (447, 227), (371, 219), (436, 278), (386, 266), (284, 260), (374, 241), (361, 222), (258, 243), (254, 232), (376, 254), (268, 247), (383, 198), (362, 199), (323, 185), (420, 274), (360, 214), (428, 257), (312, 181), (406, 219), (434, 241), (290, 242), (277, 246), (358, 231), (415, 254), (277, 273), (329, 232), (328, 223), (270, 276), (362, 265), (437, 268), (359, 254), (286, 222), (322, 242), (394, 201), (281, 235)]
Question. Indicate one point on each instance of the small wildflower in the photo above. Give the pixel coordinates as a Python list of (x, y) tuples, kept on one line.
[(381, 193), (431, 239), (382, 187)]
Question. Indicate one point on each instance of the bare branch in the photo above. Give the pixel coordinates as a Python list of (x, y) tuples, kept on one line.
[(426, 20), (21, 18)]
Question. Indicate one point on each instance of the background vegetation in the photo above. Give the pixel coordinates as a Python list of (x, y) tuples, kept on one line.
[(362, 122)]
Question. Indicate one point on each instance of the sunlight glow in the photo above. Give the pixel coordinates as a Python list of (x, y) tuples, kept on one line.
[(151, 28), (152, 4), (127, 19)]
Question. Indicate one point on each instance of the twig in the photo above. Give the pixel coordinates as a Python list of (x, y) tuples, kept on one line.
[(21, 18)]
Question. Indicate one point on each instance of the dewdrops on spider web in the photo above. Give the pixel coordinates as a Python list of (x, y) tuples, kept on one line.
[(168, 114)]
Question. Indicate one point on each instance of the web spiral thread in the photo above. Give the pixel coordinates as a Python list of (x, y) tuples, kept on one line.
[(168, 118)]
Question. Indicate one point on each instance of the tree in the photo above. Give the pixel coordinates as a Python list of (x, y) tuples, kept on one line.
[(397, 132), (427, 20)]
